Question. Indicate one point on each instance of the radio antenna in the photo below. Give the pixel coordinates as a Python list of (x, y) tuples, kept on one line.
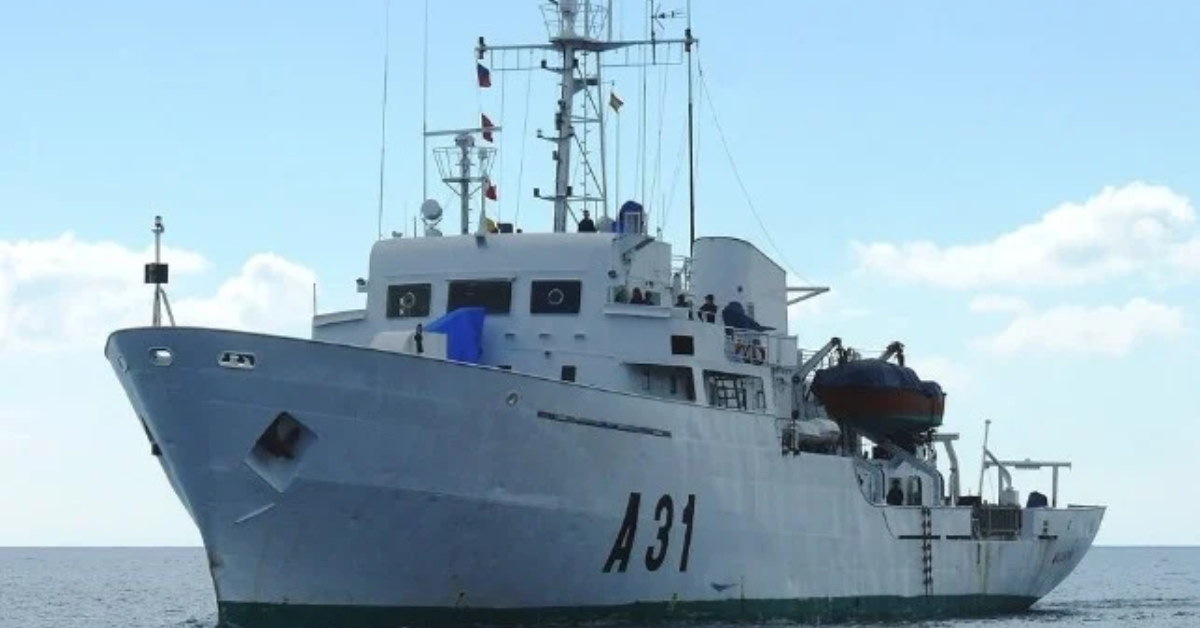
[(387, 28), (157, 275)]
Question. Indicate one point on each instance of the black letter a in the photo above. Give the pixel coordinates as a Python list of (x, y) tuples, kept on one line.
[(623, 546)]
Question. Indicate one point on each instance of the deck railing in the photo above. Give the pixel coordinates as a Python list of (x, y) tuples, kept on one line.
[(751, 347)]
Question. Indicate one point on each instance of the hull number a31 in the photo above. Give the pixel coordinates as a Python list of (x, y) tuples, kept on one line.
[(656, 553)]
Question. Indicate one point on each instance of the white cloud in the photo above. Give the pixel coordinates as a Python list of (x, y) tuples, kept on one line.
[(815, 306), (67, 294), (1118, 232), (1102, 330), (65, 257), (269, 294), (990, 303), (1187, 255)]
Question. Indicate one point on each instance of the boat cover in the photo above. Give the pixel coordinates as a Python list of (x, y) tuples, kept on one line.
[(463, 328), (735, 316), (875, 373)]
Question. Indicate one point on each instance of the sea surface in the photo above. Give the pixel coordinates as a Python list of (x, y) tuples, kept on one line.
[(170, 587)]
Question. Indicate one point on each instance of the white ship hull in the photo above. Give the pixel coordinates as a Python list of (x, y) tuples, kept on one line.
[(427, 491)]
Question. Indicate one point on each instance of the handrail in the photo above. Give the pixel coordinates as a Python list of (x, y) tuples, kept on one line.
[(622, 294), (681, 266), (743, 345)]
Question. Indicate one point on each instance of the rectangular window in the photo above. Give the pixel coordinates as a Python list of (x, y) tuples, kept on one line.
[(494, 296), (408, 300), (683, 345), (555, 297), (735, 391), (568, 373)]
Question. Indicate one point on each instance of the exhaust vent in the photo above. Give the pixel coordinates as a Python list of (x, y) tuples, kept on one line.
[(277, 454)]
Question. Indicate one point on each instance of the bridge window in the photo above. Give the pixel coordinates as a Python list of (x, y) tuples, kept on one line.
[(495, 296), (663, 380), (554, 297), (683, 345), (408, 300), (735, 391)]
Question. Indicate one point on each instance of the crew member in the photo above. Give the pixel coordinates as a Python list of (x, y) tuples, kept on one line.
[(708, 311), (586, 225)]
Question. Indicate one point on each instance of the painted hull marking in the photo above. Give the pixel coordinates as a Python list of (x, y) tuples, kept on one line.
[(620, 427), (254, 513)]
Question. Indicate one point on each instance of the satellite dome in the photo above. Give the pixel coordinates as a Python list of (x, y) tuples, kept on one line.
[(431, 210)]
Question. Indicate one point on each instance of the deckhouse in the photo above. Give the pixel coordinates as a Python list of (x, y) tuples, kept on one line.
[(562, 305)]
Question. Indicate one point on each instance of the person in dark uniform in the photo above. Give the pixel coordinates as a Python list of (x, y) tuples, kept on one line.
[(708, 311), (586, 225), (895, 496), (681, 301)]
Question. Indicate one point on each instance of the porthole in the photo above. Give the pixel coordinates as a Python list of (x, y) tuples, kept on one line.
[(161, 356)]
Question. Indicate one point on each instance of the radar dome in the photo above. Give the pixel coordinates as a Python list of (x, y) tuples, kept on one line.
[(431, 210)]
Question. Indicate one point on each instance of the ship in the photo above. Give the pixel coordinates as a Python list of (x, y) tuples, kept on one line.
[(533, 428)]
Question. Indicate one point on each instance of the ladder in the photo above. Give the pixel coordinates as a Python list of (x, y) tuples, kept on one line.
[(927, 549)]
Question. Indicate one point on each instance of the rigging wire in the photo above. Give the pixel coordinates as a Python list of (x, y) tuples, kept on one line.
[(737, 175), (524, 141), (641, 159), (498, 164), (680, 157), (587, 173), (425, 107), (656, 186), (387, 38)]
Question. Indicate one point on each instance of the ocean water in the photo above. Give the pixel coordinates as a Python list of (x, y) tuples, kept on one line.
[(161, 588)]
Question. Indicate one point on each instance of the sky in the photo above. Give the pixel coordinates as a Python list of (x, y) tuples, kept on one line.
[(1008, 189)]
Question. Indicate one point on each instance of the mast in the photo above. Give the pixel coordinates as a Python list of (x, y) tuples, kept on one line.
[(690, 142), (463, 165), (575, 28), (563, 123), (157, 274), (156, 317), (464, 143)]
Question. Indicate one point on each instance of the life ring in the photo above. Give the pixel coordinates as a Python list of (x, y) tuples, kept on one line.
[(755, 354)]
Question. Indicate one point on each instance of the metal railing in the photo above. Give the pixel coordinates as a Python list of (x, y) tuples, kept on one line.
[(624, 294), (681, 265), (833, 358), (750, 347)]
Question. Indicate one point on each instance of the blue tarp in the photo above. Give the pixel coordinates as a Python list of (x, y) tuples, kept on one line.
[(874, 373), (464, 333), (735, 316), (629, 207)]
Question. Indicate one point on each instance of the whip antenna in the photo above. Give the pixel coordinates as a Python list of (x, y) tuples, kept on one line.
[(387, 34)]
